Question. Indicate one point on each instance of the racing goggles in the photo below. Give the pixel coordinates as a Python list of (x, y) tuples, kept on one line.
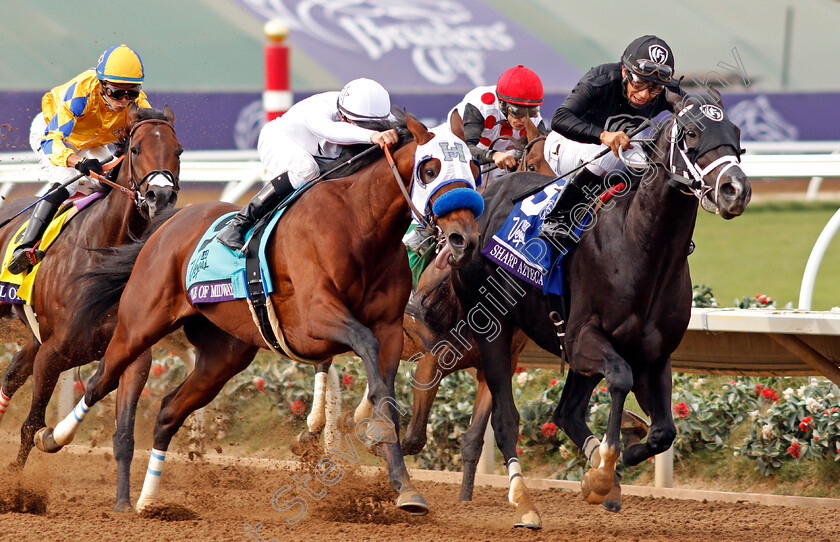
[(649, 68), (120, 93), (640, 84), (521, 111)]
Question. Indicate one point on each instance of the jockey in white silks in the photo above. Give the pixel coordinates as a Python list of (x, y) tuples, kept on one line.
[(320, 125)]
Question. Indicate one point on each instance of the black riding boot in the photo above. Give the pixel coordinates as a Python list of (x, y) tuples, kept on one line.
[(43, 213), (559, 219), (233, 236)]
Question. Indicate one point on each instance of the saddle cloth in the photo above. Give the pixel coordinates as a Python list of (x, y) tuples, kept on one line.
[(18, 289), (518, 248), (216, 274)]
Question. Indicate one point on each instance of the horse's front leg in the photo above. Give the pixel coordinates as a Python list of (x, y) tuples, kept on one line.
[(47, 367), (595, 354), (131, 385), (496, 364), (390, 346), (653, 392)]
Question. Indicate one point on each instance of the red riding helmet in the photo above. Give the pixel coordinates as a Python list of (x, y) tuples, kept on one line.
[(520, 86)]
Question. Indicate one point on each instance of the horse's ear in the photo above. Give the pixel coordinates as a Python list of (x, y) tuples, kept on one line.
[(715, 95), (133, 113), (456, 125), (674, 99), (420, 133), (169, 114)]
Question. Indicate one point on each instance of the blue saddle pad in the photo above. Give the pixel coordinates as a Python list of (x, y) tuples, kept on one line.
[(518, 248), (215, 273)]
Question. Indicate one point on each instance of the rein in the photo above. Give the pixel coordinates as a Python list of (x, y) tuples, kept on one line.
[(420, 216)]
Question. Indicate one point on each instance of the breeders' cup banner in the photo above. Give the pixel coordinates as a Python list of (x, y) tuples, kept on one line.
[(415, 44), (233, 120)]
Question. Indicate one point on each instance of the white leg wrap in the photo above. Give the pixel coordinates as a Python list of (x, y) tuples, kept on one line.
[(4, 403), (152, 482), (316, 419), (590, 445), (66, 428), (515, 477), (365, 408), (332, 411)]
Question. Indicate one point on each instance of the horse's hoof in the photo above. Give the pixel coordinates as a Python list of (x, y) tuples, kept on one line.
[(613, 502), (123, 507), (528, 518), (379, 432), (612, 505), (346, 423), (634, 428), (587, 489), (305, 443), (413, 503), (45, 442)]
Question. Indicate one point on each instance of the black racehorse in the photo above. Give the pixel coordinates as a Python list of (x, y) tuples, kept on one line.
[(629, 296)]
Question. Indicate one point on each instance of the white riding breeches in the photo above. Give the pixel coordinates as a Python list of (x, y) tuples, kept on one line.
[(62, 174), (564, 155), (279, 153)]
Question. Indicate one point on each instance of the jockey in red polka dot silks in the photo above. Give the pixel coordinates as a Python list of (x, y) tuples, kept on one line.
[(489, 116)]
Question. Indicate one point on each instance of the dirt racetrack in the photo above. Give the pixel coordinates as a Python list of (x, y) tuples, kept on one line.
[(215, 501)]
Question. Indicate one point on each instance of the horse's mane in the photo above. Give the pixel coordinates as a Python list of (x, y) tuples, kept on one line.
[(100, 288), (399, 124)]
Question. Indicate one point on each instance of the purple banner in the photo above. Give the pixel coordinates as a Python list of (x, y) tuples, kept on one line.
[(506, 257), (8, 293), (211, 292), (433, 45), (229, 120)]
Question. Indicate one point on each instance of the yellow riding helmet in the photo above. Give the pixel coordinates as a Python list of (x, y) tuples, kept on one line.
[(120, 64)]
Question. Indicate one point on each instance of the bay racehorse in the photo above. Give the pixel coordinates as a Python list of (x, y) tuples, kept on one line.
[(148, 175), (341, 283), (630, 296)]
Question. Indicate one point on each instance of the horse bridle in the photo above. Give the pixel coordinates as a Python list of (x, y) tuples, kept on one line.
[(694, 186), (133, 191)]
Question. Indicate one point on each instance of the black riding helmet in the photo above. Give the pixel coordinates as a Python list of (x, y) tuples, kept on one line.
[(649, 58)]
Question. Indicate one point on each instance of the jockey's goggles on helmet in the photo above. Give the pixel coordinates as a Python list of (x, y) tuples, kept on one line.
[(640, 84), (120, 93), (647, 68), (521, 111)]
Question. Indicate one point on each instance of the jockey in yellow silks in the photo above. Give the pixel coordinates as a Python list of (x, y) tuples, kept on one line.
[(77, 120)]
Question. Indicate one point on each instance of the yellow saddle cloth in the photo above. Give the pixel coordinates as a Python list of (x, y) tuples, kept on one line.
[(14, 288)]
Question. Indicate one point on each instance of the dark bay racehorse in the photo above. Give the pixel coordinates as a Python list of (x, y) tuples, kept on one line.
[(149, 171), (630, 293), (341, 282)]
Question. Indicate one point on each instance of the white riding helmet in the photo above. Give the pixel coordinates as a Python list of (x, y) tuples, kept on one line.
[(364, 99)]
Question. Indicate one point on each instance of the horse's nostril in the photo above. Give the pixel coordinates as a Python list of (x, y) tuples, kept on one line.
[(151, 197), (456, 240), (173, 199)]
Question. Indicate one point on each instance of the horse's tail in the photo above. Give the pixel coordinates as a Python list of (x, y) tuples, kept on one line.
[(100, 289), (440, 308)]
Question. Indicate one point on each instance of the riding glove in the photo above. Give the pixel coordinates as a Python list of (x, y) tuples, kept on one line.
[(86, 165)]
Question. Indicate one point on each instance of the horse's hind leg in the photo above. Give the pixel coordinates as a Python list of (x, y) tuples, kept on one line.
[(308, 439), (219, 357), (426, 379), (473, 441), (17, 372), (128, 393), (653, 392)]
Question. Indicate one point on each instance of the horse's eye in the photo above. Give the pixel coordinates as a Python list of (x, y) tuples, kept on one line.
[(135, 151), (179, 152), (532, 167), (691, 134)]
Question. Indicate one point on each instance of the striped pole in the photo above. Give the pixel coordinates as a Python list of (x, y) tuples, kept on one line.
[(277, 98)]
